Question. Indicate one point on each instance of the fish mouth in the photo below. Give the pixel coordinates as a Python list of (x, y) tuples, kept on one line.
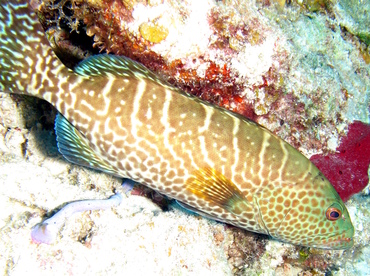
[(338, 242), (345, 243)]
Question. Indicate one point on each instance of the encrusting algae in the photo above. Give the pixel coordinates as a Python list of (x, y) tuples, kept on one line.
[(118, 117)]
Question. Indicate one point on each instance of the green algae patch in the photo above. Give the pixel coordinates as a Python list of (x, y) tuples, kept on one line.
[(355, 17)]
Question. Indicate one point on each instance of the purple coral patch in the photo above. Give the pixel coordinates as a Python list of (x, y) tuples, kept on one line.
[(347, 169)]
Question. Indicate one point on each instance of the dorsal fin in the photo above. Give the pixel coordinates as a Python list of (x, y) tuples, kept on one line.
[(104, 64), (75, 147), (214, 188)]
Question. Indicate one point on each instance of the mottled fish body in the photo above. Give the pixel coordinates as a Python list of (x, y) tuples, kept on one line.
[(119, 117)]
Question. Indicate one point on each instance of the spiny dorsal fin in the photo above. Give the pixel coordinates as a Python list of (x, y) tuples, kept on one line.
[(75, 147), (214, 188), (103, 65)]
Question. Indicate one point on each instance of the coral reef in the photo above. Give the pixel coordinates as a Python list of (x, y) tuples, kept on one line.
[(355, 17), (297, 67), (243, 249)]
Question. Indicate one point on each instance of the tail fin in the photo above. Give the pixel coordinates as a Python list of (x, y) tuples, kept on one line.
[(25, 54)]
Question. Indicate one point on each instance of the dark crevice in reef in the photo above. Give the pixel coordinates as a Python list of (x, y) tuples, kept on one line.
[(66, 32)]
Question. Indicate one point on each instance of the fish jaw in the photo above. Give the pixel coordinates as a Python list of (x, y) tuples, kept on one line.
[(339, 242)]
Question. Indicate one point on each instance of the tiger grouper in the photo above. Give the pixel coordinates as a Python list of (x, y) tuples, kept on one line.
[(118, 117)]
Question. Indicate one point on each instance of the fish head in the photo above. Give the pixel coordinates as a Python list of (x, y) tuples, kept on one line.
[(334, 217), (308, 213)]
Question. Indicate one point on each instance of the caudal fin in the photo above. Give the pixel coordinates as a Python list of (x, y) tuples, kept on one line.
[(25, 54)]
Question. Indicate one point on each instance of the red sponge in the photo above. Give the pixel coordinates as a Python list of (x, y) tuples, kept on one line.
[(347, 169)]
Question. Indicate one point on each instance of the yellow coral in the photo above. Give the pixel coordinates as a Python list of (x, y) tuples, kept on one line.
[(152, 32)]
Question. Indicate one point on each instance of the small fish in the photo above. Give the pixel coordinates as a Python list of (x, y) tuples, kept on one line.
[(118, 117)]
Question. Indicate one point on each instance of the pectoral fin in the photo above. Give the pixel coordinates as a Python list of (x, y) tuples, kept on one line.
[(214, 188)]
